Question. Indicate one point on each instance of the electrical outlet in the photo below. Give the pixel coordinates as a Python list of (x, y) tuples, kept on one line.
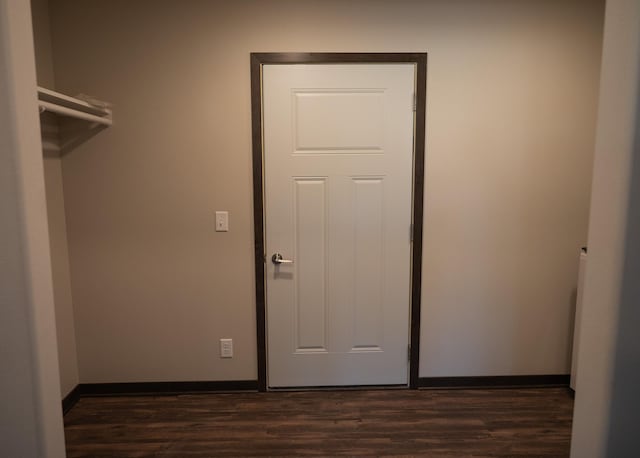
[(226, 348), (222, 221)]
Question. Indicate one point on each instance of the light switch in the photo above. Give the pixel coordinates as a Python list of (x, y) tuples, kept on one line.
[(222, 221), (226, 348)]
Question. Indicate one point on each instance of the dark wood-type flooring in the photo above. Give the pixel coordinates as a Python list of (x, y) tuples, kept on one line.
[(433, 423)]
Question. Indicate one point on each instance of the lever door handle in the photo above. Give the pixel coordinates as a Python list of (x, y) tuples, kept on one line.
[(278, 259)]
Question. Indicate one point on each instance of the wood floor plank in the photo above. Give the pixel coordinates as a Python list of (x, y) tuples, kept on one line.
[(431, 423)]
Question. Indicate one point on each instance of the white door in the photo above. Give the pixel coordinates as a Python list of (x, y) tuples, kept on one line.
[(338, 159)]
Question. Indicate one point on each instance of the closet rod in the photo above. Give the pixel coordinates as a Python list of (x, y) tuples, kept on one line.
[(74, 113)]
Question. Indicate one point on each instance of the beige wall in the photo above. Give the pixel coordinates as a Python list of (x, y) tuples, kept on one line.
[(607, 406), (511, 113), (42, 43), (61, 276), (55, 209), (30, 416)]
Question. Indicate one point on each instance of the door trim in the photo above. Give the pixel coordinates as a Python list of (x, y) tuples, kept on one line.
[(257, 61)]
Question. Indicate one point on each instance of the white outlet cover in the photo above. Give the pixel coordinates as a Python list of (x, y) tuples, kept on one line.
[(222, 221)]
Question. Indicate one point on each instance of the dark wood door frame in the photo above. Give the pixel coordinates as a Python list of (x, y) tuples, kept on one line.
[(257, 61)]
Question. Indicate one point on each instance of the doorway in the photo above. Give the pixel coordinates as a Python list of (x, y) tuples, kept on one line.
[(338, 144)]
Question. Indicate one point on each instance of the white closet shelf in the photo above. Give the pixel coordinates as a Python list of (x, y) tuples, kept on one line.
[(64, 105)]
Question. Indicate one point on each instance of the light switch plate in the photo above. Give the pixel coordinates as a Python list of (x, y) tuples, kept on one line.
[(222, 221), (226, 348)]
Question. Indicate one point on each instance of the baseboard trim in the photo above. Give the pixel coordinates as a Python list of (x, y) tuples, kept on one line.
[(154, 389), (172, 388), (498, 381), (70, 400)]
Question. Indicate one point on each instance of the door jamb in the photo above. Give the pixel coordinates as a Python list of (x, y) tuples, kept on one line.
[(257, 61)]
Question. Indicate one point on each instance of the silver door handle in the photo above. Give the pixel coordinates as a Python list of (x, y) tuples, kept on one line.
[(278, 259)]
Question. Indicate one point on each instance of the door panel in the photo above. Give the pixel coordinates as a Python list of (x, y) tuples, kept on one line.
[(368, 256), (320, 118), (310, 235), (338, 151)]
